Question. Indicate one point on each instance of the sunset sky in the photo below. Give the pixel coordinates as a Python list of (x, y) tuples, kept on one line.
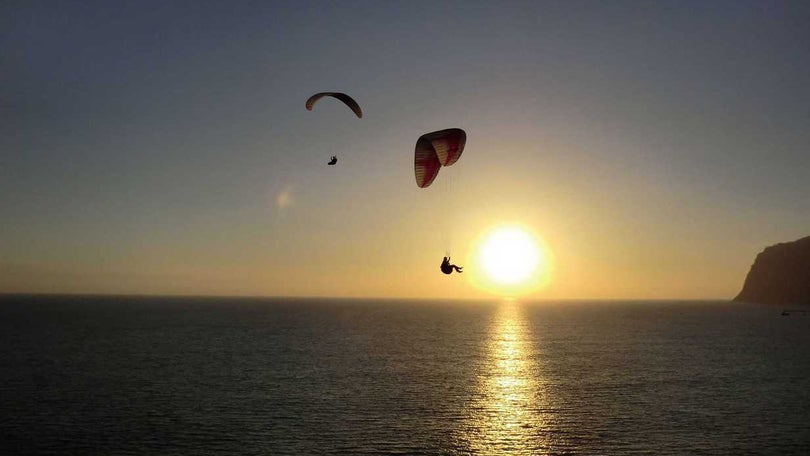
[(653, 148)]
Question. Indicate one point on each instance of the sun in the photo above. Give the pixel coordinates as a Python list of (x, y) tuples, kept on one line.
[(513, 261), (509, 255)]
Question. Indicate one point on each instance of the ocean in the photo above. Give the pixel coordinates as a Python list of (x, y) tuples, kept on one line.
[(137, 375)]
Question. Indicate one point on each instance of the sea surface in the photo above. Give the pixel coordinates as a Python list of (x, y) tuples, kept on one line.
[(147, 376)]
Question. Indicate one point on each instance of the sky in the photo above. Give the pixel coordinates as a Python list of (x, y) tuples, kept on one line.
[(653, 148)]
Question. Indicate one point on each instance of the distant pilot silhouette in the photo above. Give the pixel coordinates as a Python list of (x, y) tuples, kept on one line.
[(447, 268), (333, 160)]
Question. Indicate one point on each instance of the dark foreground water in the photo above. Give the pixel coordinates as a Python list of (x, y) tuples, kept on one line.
[(238, 376)]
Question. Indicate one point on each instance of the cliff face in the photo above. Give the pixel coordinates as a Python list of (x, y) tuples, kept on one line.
[(780, 275)]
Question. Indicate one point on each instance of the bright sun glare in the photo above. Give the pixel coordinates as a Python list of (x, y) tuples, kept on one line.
[(512, 260), (509, 255)]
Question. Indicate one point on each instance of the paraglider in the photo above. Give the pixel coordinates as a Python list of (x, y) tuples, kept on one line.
[(448, 268), (347, 100), (434, 150)]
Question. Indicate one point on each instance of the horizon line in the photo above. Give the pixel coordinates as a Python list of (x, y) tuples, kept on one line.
[(364, 298)]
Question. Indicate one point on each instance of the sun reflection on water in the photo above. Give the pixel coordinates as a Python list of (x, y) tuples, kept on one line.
[(506, 415)]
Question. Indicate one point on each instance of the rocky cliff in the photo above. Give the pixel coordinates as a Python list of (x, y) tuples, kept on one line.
[(780, 275)]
